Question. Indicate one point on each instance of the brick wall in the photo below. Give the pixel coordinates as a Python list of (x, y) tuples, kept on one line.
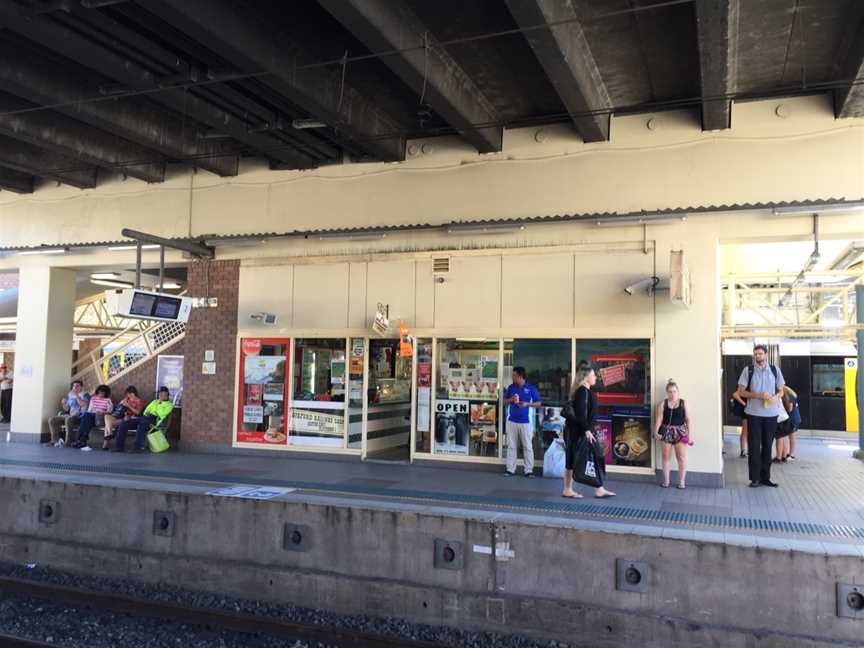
[(208, 401)]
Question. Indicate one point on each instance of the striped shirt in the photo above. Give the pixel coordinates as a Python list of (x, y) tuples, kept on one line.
[(99, 405)]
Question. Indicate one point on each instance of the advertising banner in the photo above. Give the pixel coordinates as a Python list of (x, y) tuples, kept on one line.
[(631, 437), (452, 426), (262, 406), (623, 379), (169, 373)]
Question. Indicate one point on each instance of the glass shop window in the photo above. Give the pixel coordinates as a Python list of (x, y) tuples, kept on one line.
[(317, 416), (467, 397), (263, 391), (624, 398)]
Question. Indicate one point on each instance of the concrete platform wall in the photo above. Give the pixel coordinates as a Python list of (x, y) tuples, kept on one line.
[(545, 581)]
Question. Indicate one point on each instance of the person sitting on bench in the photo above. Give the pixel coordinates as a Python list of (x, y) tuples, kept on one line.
[(154, 415), (100, 405), (130, 406)]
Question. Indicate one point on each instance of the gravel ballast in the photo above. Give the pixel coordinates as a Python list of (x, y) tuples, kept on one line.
[(72, 627)]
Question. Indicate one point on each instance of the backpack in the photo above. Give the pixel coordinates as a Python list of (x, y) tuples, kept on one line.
[(736, 408)]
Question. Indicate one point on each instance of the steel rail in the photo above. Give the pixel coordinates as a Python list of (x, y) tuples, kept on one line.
[(238, 622)]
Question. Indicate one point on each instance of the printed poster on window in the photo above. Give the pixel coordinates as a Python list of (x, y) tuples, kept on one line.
[(317, 423), (262, 406), (631, 436), (452, 426)]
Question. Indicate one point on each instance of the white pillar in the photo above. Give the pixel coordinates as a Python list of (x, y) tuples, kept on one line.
[(43, 348)]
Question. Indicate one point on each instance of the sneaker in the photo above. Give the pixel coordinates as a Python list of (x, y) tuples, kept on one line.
[(790, 458), (509, 474), (743, 454), (768, 482), (529, 475), (86, 449), (755, 484), (59, 443)]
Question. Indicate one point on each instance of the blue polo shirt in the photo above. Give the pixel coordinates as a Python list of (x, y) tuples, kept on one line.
[(527, 393)]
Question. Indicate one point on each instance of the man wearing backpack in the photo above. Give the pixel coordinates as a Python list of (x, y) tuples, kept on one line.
[(762, 385)]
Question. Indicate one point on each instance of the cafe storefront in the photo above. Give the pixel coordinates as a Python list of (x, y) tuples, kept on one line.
[(432, 398)]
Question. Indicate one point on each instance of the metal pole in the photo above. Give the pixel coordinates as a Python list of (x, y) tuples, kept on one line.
[(859, 396), (138, 266), (161, 265)]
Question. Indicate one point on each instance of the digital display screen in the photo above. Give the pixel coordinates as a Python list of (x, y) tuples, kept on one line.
[(167, 307), (156, 306), (142, 304)]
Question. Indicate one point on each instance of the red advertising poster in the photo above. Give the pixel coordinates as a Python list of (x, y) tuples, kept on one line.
[(262, 411), (424, 374), (603, 432), (622, 379)]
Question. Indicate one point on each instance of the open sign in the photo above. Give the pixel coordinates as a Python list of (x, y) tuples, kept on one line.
[(452, 407)]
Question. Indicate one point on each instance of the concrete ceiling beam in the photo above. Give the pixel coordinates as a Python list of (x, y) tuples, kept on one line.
[(15, 181), (565, 54), (849, 100), (101, 56), (55, 132), (35, 161), (42, 81), (717, 27), (238, 33), (428, 69)]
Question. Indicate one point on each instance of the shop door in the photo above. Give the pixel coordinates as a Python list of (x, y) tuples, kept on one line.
[(388, 402)]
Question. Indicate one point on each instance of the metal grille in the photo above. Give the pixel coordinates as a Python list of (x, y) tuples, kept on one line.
[(575, 509)]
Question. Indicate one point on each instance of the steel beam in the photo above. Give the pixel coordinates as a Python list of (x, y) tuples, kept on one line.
[(34, 161), (849, 100), (429, 70), (61, 134), (192, 247), (40, 80), (717, 28), (565, 54), (101, 55), (15, 181), (235, 30)]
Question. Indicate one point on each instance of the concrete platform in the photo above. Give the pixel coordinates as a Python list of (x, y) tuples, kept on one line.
[(716, 567), (818, 508)]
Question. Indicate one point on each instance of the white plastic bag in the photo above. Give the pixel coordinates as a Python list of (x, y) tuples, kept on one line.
[(554, 460)]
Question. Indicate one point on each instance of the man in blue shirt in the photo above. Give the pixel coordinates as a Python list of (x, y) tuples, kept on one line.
[(764, 392), (520, 396)]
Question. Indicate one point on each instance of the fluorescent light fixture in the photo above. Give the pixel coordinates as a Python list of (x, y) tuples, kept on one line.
[(640, 219), (852, 205), (235, 242), (169, 285), (849, 256), (352, 236), (468, 229), (123, 248), (44, 251), (302, 124), (105, 275), (111, 283)]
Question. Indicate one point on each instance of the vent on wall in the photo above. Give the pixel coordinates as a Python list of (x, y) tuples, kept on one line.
[(441, 265)]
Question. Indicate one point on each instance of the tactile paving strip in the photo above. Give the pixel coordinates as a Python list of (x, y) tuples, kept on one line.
[(570, 508)]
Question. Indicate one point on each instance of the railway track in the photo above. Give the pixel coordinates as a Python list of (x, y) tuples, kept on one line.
[(237, 622)]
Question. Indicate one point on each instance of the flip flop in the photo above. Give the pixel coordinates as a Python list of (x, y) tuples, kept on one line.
[(573, 496), (680, 487), (664, 485), (605, 496)]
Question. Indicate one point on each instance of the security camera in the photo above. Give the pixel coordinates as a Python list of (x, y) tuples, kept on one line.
[(648, 284), (264, 318)]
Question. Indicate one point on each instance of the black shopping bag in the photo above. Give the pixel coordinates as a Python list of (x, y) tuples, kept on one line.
[(588, 467)]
